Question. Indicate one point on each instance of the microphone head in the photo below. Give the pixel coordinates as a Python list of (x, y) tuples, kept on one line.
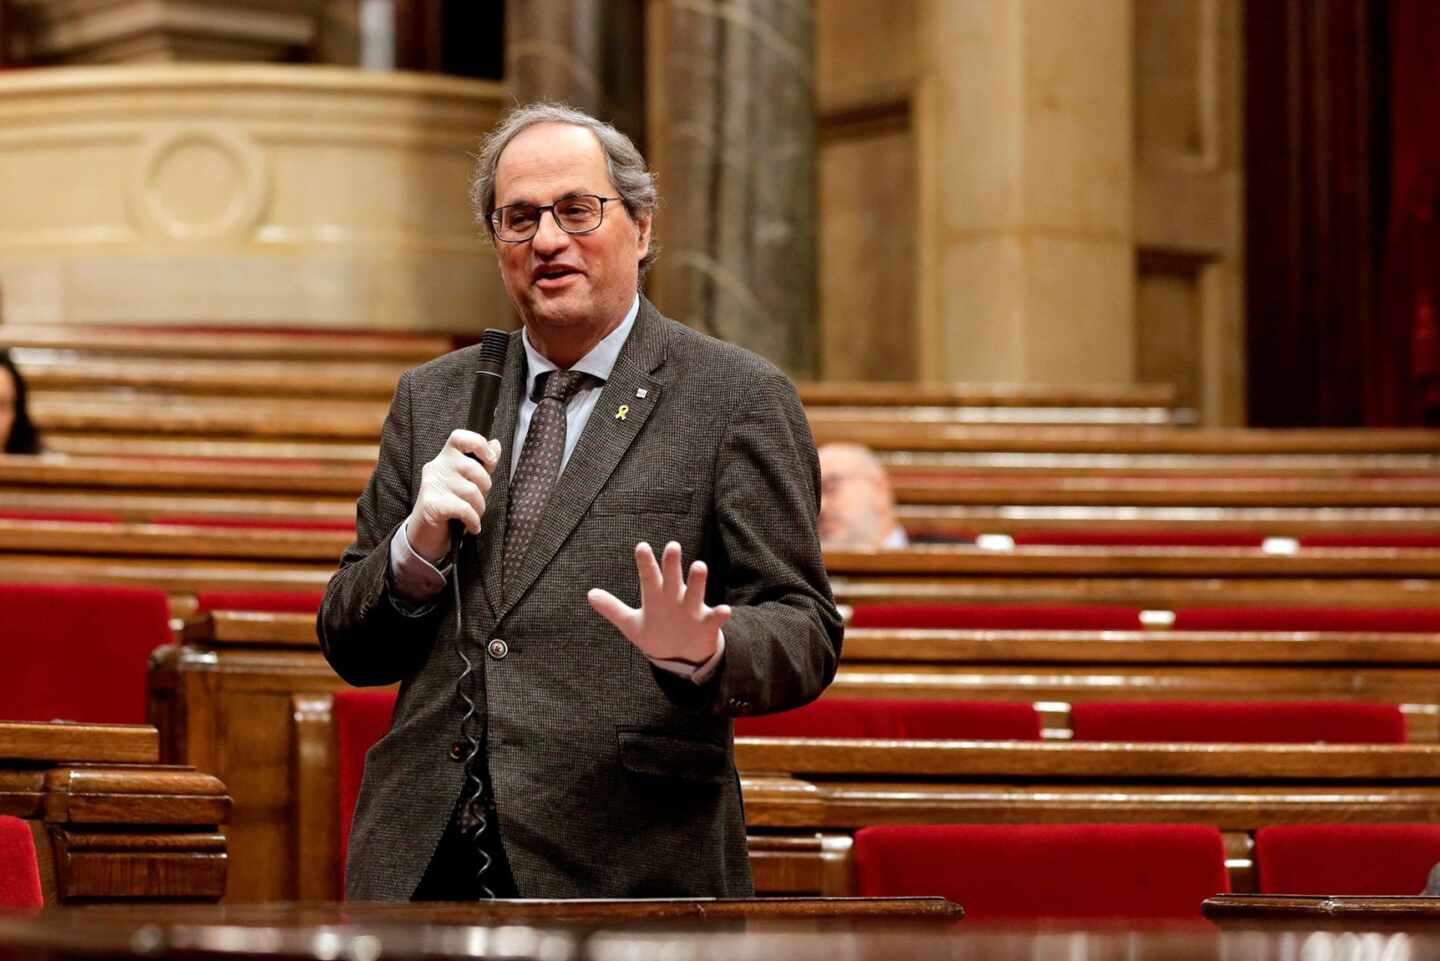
[(493, 346)]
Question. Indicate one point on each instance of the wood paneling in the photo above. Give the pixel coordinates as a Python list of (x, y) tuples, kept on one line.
[(1188, 195)]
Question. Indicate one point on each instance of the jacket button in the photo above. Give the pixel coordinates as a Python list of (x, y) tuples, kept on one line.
[(498, 648), (457, 751)]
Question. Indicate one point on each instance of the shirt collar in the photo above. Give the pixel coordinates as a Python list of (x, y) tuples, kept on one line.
[(599, 362)]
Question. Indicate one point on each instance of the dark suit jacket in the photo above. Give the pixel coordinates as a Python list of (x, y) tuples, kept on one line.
[(612, 778)]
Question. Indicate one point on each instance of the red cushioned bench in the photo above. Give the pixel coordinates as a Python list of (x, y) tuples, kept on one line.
[(1238, 722), (899, 719), (1346, 859), (79, 652), (1031, 871)]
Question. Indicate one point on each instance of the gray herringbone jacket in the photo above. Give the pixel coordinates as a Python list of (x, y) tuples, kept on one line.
[(611, 777)]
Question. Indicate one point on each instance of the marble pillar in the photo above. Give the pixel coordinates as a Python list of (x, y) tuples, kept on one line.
[(1024, 135), (587, 53), (733, 139)]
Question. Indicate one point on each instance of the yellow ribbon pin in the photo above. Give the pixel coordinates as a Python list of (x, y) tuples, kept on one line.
[(624, 409)]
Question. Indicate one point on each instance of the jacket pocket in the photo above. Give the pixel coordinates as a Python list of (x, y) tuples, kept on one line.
[(643, 501), (671, 756)]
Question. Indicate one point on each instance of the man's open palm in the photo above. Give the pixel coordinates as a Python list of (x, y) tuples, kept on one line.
[(673, 621)]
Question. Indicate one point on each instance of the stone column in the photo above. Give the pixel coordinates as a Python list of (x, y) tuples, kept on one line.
[(733, 140), (1024, 134), (587, 53)]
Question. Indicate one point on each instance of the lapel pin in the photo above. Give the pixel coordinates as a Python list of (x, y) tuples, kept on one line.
[(641, 392), (622, 411)]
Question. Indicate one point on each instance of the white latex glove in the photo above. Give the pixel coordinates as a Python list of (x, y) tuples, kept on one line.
[(673, 622), (452, 487)]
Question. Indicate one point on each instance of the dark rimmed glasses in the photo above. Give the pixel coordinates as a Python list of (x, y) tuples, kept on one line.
[(517, 223)]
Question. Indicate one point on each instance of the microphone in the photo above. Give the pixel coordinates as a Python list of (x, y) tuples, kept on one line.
[(493, 346)]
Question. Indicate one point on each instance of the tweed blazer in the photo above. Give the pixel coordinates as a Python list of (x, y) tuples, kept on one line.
[(611, 777)]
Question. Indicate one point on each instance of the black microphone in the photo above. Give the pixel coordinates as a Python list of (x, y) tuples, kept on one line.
[(493, 345)]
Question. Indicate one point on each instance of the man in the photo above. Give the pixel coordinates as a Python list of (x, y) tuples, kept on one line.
[(857, 503), (589, 751)]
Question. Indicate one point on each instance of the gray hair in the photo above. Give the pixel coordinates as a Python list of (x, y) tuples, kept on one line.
[(623, 162)]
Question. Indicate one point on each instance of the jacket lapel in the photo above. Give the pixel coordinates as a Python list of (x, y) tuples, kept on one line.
[(605, 439), (498, 502)]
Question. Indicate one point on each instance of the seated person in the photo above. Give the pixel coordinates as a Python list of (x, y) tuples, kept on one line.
[(857, 506), (16, 428)]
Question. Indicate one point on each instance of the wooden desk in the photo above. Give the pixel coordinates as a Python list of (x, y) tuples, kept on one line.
[(1328, 912), (225, 700), (607, 933), (110, 822)]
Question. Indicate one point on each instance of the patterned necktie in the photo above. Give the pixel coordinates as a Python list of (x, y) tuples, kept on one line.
[(539, 463)]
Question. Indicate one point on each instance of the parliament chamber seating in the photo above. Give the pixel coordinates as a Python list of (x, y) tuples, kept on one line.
[(1238, 722), (1346, 859), (1034, 871), (229, 477), (901, 719), (79, 653), (1090, 617), (1104, 617), (19, 868), (297, 602)]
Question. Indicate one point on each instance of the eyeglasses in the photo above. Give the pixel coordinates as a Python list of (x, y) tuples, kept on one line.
[(517, 223)]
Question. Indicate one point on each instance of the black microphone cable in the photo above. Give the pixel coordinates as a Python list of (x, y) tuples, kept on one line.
[(474, 814)]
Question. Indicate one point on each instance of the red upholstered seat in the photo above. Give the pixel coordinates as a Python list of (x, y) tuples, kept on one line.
[(1239, 722), (1038, 617), (293, 602), (1353, 859), (1370, 540), (908, 719), (1000, 871), (79, 652), (361, 719), (19, 871), (1419, 619)]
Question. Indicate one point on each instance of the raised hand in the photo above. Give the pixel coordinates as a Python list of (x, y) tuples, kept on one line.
[(452, 487), (673, 621)]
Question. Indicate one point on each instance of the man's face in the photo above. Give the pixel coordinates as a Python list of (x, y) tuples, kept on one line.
[(857, 509), (576, 286)]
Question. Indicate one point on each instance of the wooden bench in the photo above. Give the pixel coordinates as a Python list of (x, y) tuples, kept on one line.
[(1056, 668), (186, 559), (182, 577), (937, 522), (111, 823), (182, 477), (1045, 439), (192, 343), (813, 794), (267, 668)]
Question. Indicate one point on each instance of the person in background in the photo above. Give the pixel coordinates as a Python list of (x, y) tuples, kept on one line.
[(16, 427), (857, 505)]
